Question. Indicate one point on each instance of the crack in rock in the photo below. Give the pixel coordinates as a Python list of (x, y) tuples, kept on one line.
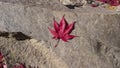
[(17, 35)]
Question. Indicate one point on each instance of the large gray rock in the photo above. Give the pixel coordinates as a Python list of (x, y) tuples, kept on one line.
[(97, 44), (19, 48)]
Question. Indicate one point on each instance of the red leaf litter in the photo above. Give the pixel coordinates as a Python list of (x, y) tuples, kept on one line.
[(111, 2), (1, 56), (94, 5), (62, 30), (1, 61), (3, 65), (19, 66)]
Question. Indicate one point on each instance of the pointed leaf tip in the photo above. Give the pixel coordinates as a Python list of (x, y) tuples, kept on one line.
[(63, 25), (67, 37), (69, 28), (62, 21), (56, 26), (53, 32)]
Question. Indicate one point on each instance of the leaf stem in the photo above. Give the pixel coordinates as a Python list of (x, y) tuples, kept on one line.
[(57, 43)]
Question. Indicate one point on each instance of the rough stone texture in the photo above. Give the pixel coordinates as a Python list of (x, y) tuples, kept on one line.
[(29, 51), (98, 44)]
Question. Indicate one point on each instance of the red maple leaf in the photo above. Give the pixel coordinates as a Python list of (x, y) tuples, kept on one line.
[(62, 30)]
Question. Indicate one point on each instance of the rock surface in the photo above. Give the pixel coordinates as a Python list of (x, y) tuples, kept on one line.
[(25, 38)]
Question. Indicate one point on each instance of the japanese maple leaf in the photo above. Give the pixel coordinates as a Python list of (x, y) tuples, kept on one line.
[(62, 30)]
